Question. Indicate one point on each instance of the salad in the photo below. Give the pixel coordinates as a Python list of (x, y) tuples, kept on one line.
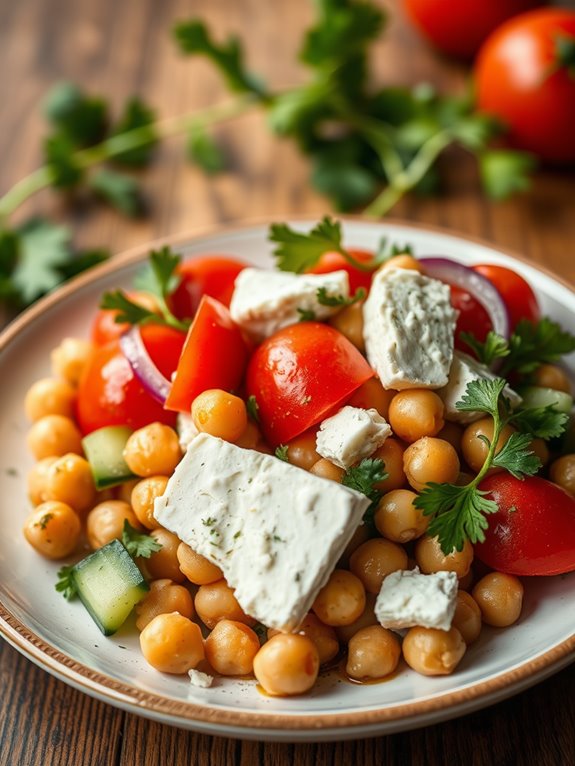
[(350, 460)]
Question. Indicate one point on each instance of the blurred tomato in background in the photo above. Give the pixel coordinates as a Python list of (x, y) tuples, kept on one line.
[(458, 27)]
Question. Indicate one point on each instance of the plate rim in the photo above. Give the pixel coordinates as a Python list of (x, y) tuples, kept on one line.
[(186, 713)]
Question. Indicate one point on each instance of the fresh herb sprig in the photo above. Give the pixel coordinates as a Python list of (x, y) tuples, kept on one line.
[(459, 513), (138, 544), (363, 478), (66, 584), (325, 298)]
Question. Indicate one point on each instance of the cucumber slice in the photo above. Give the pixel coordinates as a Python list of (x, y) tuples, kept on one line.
[(104, 450), (109, 585), (536, 396)]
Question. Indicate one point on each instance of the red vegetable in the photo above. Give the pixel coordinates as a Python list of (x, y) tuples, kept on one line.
[(299, 375), (524, 76), (473, 317), (214, 356), (533, 533), (516, 293), (212, 275), (336, 262)]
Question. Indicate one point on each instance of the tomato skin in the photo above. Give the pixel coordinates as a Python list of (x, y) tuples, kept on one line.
[(299, 375), (337, 262), (517, 294), (533, 533), (212, 275), (215, 355), (473, 317), (517, 79), (458, 27)]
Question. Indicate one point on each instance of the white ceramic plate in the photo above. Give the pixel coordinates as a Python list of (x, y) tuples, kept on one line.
[(60, 637)]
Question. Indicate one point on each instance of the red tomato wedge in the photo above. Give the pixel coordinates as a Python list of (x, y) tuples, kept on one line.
[(516, 293), (299, 375), (473, 317), (110, 394), (337, 262), (215, 355), (533, 533), (212, 275)]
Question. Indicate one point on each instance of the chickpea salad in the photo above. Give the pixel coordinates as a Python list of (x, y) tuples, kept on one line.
[(355, 460)]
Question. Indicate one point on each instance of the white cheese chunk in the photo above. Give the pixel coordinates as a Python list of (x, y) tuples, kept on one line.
[(409, 325), (408, 599), (350, 435), (199, 679), (266, 301), (464, 370), (275, 530), (186, 429)]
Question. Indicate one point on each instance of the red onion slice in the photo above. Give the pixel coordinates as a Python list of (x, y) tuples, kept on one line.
[(144, 368), (476, 284)]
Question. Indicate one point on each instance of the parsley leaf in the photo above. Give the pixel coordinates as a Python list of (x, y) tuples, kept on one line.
[(306, 315), (494, 347), (504, 172), (482, 396), (136, 115), (120, 191), (204, 151), (128, 311), (386, 251), (66, 584), (534, 344), (44, 248), (297, 251), (253, 408), (326, 299), (82, 119), (59, 157), (517, 457), (282, 453), (138, 544), (540, 422), (364, 476)]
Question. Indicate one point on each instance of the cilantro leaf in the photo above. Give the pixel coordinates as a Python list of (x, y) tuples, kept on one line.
[(297, 251), (482, 396), (326, 299), (128, 311), (253, 408), (44, 249), (306, 315), (204, 151), (504, 172), (82, 119), (59, 157), (494, 347), (138, 544), (364, 476), (118, 190), (534, 344), (540, 422), (517, 457), (66, 584), (136, 114), (282, 453)]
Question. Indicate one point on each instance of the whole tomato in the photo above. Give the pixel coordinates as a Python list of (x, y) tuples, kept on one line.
[(458, 27), (524, 75)]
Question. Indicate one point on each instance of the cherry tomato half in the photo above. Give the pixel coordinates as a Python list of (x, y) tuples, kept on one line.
[(299, 375), (524, 76), (337, 262), (110, 394), (212, 275), (214, 356), (517, 295), (473, 317), (533, 533)]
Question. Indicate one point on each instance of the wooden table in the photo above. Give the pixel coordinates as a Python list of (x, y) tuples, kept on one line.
[(117, 48)]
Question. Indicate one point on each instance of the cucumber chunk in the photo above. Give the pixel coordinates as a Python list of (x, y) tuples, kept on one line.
[(537, 396), (104, 451), (109, 585)]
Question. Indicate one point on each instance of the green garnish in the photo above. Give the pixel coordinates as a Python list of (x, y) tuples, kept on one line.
[(306, 315), (66, 584), (253, 408), (326, 299), (138, 544), (282, 453)]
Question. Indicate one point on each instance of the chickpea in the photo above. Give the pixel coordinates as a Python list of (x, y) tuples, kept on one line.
[(360, 535), (287, 664), (430, 558), (164, 563), (124, 490), (540, 449), (372, 653), (301, 450), (323, 636), (327, 470), (196, 567), (475, 449), (37, 480), (164, 597), (402, 261), (70, 358), (467, 617), (391, 452), (372, 395), (500, 598), (551, 376), (562, 472), (397, 518), (433, 652), (430, 460), (374, 560), (153, 449), (219, 413), (53, 529), (216, 601), (341, 600), (69, 479), (231, 648), (142, 498), (452, 433), (105, 522), (415, 413), (172, 643), (349, 322), (366, 618), (49, 396), (251, 437), (54, 436)]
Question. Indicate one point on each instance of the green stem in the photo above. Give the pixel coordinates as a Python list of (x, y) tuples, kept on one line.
[(133, 139), (497, 428)]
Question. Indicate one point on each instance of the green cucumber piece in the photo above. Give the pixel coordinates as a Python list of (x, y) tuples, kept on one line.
[(109, 585), (536, 396), (104, 450)]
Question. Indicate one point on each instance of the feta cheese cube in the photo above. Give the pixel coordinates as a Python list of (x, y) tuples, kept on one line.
[(275, 530), (186, 429), (408, 599), (266, 301), (464, 370), (409, 325), (350, 435)]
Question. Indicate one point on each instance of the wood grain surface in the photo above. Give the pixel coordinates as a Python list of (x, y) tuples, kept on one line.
[(118, 48)]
